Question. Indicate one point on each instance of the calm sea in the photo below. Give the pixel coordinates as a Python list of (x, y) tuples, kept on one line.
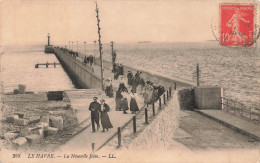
[(235, 69), (18, 67)]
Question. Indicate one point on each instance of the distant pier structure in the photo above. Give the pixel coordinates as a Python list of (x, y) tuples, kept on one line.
[(49, 47)]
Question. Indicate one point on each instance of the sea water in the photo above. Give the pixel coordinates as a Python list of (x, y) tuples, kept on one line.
[(235, 69)]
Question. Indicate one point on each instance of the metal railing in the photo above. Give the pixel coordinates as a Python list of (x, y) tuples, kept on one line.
[(163, 100), (239, 108)]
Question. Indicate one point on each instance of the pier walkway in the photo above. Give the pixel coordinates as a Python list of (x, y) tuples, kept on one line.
[(238, 123), (84, 140), (196, 130)]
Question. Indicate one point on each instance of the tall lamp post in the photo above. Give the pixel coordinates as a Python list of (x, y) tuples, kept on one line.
[(72, 46), (85, 49)]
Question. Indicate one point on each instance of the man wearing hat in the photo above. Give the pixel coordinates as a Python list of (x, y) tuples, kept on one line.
[(94, 107)]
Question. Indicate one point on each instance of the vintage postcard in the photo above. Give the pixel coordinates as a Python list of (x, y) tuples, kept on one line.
[(129, 81)]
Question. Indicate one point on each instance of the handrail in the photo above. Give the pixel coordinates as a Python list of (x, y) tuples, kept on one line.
[(143, 107), (240, 108)]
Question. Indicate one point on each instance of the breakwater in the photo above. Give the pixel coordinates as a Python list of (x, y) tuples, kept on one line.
[(81, 76)]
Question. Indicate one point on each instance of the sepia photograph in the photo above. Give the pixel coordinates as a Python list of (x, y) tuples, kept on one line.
[(130, 81)]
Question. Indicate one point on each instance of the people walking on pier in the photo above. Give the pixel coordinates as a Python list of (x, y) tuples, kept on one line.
[(109, 88), (121, 69), (142, 84), (130, 78), (122, 84), (85, 61), (124, 103), (118, 99), (114, 57), (94, 107), (133, 104), (105, 121), (91, 60)]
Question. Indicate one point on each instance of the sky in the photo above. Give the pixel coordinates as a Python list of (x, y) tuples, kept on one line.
[(122, 21)]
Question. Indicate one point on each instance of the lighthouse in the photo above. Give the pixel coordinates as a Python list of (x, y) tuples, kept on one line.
[(48, 47)]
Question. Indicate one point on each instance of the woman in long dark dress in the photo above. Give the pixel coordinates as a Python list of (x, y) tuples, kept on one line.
[(118, 99), (105, 121), (133, 104), (124, 103)]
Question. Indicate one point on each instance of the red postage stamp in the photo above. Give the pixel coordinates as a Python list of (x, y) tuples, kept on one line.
[(237, 25)]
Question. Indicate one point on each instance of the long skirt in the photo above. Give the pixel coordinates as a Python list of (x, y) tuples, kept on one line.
[(110, 92), (118, 104), (105, 121), (124, 104), (133, 105)]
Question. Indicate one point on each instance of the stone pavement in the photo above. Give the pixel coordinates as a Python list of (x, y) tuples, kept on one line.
[(198, 132), (236, 122), (84, 140), (80, 100)]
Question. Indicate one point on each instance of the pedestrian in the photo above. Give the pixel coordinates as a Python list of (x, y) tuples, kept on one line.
[(106, 84), (142, 84), (94, 107), (122, 84), (130, 78), (85, 61), (91, 60), (124, 103), (118, 99), (105, 121), (133, 104), (110, 91)]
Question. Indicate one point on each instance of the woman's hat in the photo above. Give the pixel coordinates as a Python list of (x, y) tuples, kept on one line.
[(102, 100), (95, 98)]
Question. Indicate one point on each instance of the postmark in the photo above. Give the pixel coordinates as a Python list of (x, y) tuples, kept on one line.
[(237, 24)]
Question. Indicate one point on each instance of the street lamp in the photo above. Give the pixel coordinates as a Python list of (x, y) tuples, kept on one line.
[(85, 48), (72, 46)]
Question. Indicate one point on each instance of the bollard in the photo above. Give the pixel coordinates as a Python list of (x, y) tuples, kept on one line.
[(54, 65), (160, 103), (153, 110), (119, 136), (170, 91), (146, 116), (164, 98), (46, 65), (167, 95), (175, 86), (93, 147), (134, 124)]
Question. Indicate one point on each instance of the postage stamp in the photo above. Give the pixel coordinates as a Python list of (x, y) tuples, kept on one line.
[(237, 24)]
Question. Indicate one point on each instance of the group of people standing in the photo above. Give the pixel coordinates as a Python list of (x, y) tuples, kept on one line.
[(152, 92), (72, 53), (89, 59), (135, 80), (99, 110), (122, 96), (118, 70)]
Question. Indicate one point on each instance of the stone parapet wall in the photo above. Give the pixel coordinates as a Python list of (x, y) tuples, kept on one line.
[(186, 98), (80, 75), (158, 133)]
